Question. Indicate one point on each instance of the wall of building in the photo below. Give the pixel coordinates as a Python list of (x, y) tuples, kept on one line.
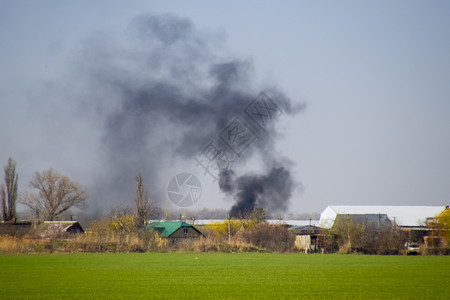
[(191, 233)]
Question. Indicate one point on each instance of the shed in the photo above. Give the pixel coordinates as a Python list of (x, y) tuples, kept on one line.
[(50, 229), (174, 229), (308, 238)]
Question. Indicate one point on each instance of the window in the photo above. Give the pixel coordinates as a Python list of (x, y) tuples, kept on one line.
[(185, 230)]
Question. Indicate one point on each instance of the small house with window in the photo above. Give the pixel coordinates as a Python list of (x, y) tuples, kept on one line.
[(174, 230)]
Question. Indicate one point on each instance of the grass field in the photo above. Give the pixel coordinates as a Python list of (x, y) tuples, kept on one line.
[(223, 276)]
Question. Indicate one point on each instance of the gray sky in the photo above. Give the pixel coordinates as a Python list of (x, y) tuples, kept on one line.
[(375, 78)]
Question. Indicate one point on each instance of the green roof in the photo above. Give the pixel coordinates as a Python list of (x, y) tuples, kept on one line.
[(166, 229)]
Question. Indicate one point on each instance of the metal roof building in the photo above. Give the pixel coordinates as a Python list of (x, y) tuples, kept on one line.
[(403, 216), (173, 229)]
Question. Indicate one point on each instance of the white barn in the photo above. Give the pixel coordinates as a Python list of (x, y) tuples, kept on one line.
[(403, 216)]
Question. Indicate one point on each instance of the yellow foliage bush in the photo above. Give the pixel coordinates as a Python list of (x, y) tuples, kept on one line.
[(220, 228), (10, 244), (122, 223), (444, 224)]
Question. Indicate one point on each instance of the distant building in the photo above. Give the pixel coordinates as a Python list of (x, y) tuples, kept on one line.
[(406, 217), (308, 238), (412, 220), (289, 223), (15, 228)]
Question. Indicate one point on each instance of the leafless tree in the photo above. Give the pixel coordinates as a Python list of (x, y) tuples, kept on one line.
[(8, 191), (119, 211), (143, 207), (56, 195)]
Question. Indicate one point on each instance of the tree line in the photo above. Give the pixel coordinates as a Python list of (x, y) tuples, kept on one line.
[(53, 194)]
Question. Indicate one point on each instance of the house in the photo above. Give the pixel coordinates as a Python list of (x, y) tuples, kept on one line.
[(52, 229), (437, 236), (174, 229)]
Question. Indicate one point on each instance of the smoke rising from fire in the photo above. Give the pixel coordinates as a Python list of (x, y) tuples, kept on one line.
[(271, 190), (162, 92)]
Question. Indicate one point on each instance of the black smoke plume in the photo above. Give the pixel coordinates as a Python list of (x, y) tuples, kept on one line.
[(270, 191), (163, 91)]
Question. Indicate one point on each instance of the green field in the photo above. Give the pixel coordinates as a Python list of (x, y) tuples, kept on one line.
[(223, 276)]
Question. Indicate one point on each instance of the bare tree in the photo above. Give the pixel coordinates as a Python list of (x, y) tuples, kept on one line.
[(56, 195), (119, 210), (8, 191), (143, 208)]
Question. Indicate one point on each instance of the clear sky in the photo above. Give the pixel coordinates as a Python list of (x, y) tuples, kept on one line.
[(374, 75)]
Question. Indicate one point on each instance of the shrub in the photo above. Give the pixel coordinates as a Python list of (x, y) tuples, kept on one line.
[(10, 244), (269, 236), (220, 228), (347, 236)]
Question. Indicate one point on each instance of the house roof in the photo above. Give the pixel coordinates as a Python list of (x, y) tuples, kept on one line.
[(166, 229), (15, 228), (52, 228), (307, 229), (401, 215)]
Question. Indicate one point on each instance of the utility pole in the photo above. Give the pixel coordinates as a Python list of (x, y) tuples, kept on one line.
[(348, 231), (229, 229)]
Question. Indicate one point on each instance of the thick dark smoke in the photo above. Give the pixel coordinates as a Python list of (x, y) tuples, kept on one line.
[(164, 92), (227, 181), (270, 191)]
